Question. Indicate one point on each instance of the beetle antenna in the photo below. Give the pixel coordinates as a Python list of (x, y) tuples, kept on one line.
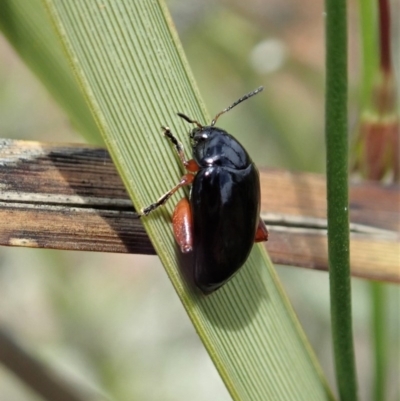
[(189, 120), (242, 99)]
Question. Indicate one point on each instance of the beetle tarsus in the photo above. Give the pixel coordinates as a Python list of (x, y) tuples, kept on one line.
[(187, 179), (177, 145), (147, 210)]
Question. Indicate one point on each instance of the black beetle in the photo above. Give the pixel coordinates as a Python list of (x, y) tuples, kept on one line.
[(221, 222)]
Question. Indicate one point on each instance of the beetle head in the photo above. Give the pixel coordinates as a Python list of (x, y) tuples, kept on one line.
[(198, 135)]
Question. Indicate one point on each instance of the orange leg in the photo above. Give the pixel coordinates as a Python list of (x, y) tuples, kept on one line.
[(182, 222), (261, 233)]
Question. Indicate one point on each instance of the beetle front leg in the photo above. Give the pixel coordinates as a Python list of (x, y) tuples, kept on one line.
[(262, 232), (187, 179), (190, 165), (182, 223)]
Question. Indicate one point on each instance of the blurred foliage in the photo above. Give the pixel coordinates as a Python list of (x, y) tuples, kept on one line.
[(97, 316), (229, 58)]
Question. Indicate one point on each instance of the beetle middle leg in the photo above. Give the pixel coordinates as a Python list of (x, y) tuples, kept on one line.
[(187, 179)]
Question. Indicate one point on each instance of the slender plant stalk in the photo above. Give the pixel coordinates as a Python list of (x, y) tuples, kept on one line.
[(337, 192), (384, 37)]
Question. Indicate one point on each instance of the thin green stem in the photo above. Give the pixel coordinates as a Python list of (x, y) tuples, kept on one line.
[(337, 190)]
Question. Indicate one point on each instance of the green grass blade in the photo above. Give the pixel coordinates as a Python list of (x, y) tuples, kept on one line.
[(337, 193), (27, 27), (369, 50), (372, 26), (129, 63), (379, 321)]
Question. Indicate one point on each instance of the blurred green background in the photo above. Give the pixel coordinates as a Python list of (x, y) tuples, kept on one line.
[(112, 323)]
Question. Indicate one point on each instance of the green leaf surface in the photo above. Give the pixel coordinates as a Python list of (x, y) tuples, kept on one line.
[(129, 63)]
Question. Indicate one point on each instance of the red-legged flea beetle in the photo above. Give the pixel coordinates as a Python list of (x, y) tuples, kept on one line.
[(222, 220)]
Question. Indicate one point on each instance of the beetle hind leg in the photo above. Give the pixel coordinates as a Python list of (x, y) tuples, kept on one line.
[(182, 222), (262, 232)]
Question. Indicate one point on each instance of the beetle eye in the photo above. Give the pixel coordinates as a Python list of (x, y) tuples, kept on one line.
[(193, 132), (197, 136)]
